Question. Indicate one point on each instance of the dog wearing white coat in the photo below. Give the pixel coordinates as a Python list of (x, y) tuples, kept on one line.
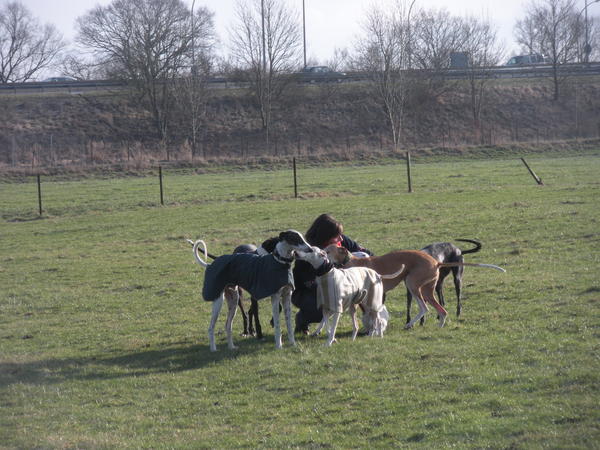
[(340, 290)]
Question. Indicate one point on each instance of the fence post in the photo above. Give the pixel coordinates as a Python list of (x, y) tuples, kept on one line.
[(295, 180), (408, 172), (535, 177), (161, 185), (39, 186)]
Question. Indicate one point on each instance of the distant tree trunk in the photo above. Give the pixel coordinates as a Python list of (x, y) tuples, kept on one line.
[(383, 52), (551, 28), (266, 58)]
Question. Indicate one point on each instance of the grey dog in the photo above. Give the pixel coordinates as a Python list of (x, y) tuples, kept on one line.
[(445, 252)]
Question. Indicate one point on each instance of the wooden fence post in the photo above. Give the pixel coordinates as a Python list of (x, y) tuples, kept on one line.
[(295, 179), (161, 185), (39, 186), (535, 177), (408, 172)]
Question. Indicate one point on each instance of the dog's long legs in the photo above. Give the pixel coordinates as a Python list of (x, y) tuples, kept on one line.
[(352, 311), (416, 293), (408, 304), (457, 272), (216, 309), (232, 296), (275, 300), (427, 292), (253, 313), (286, 298), (335, 318), (247, 326), (321, 324)]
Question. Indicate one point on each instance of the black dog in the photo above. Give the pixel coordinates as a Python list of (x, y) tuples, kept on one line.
[(446, 252), (266, 247)]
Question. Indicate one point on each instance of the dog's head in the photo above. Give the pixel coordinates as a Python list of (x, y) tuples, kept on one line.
[(339, 256), (316, 257), (376, 323), (294, 239), (289, 242)]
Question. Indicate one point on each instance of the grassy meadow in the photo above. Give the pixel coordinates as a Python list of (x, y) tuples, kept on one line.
[(103, 332)]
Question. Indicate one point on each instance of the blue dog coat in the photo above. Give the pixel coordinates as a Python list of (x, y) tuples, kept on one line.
[(262, 276)]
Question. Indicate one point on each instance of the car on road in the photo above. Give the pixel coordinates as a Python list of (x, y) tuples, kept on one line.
[(58, 80), (527, 60), (320, 74)]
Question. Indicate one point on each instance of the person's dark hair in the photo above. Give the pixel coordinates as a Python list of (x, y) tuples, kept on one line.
[(324, 228)]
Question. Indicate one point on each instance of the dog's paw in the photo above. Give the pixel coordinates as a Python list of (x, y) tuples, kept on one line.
[(442, 321)]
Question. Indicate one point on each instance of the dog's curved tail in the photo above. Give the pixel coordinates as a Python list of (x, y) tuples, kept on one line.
[(389, 276), (470, 250), (205, 252), (196, 245), (457, 264)]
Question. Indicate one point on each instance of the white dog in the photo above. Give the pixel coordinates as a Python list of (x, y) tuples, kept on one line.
[(340, 290)]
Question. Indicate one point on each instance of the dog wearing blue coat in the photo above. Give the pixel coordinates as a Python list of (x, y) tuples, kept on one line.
[(261, 275)]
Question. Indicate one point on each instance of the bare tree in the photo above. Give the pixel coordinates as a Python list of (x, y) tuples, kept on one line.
[(550, 27), (148, 43), (594, 38), (192, 93), (26, 47), (437, 34), (73, 64), (383, 53), (480, 42), (266, 43), (340, 60)]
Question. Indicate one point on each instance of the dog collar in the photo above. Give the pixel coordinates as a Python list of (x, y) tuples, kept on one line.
[(346, 259), (281, 259), (343, 263), (324, 268)]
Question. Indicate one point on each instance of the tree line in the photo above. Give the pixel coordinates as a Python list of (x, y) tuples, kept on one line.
[(166, 51)]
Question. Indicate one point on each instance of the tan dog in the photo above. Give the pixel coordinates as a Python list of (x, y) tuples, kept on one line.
[(420, 275)]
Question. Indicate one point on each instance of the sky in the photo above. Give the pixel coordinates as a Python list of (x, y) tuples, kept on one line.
[(330, 24)]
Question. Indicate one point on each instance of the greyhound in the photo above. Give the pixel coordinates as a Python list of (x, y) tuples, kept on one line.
[(262, 276), (251, 320), (340, 290), (445, 252), (420, 275)]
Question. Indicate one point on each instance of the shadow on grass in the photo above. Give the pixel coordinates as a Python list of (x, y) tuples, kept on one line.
[(172, 359)]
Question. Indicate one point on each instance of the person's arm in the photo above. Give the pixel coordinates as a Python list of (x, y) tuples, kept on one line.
[(353, 246)]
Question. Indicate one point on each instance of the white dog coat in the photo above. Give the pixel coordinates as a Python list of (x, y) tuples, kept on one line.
[(339, 288)]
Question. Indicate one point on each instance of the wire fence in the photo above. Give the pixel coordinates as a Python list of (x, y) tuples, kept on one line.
[(42, 196)]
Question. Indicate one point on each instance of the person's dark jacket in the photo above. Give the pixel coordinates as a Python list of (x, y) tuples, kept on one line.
[(304, 296)]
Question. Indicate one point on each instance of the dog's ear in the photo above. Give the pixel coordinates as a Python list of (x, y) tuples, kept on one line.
[(293, 237), (269, 244)]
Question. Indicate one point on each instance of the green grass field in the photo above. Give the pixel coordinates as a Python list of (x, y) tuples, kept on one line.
[(103, 332)]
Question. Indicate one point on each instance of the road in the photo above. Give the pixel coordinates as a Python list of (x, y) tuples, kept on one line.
[(79, 87)]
